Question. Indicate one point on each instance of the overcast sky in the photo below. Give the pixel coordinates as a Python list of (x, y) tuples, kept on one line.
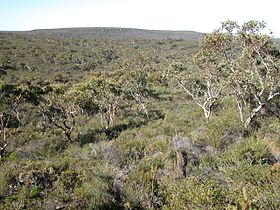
[(196, 15)]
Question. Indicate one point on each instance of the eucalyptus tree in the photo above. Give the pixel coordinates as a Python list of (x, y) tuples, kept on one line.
[(260, 61), (99, 94), (247, 60), (138, 78), (137, 85), (12, 98), (4, 120), (58, 110), (200, 80)]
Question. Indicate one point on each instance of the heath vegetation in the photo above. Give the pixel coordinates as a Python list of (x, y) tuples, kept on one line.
[(126, 123)]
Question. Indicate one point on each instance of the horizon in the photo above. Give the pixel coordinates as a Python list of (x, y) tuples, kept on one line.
[(100, 27), (178, 15)]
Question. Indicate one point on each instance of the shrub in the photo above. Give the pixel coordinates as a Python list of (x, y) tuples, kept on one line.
[(250, 150)]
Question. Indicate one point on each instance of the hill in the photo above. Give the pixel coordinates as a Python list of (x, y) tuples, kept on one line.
[(115, 33)]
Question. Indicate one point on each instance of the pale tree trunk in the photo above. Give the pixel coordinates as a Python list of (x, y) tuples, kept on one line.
[(240, 108), (110, 114), (139, 99), (145, 109), (112, 111), (143, 106), (206, 102), (111, 118), (3, 148), (259, 108), (206, 113), (3, 123), (252, 115)]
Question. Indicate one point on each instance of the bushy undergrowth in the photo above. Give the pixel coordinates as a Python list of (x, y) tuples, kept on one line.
[(172, 159)]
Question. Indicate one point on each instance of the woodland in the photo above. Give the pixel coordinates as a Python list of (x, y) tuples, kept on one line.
[(140, 123)]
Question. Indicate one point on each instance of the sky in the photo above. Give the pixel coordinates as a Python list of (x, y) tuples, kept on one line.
[(195, 15)]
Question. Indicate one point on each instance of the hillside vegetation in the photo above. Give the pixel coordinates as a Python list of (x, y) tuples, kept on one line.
[(114, 33), (136, 122)]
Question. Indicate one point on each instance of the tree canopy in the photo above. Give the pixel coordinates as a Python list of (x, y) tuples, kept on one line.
[(236, 60)]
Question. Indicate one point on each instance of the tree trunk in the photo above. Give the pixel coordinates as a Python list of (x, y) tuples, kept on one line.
[(256, 110), (252, 115), (240, 108), (138, 99), (111, 118), (68, 136), (2, 150), (145, 109), (207, 111)]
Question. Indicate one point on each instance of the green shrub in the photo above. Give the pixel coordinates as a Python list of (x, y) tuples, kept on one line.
[(141, 187), (133, 149), (6, 176), (250, 150), (93, 194), (224, 129), (196, 193), (262, 185), (94, 190)]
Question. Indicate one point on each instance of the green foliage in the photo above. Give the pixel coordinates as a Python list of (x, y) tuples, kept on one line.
[(93, 193), (224, 130), (133, 149), (195, 193), (253, 151), (141, 187), (235, 60), (134, 140)]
